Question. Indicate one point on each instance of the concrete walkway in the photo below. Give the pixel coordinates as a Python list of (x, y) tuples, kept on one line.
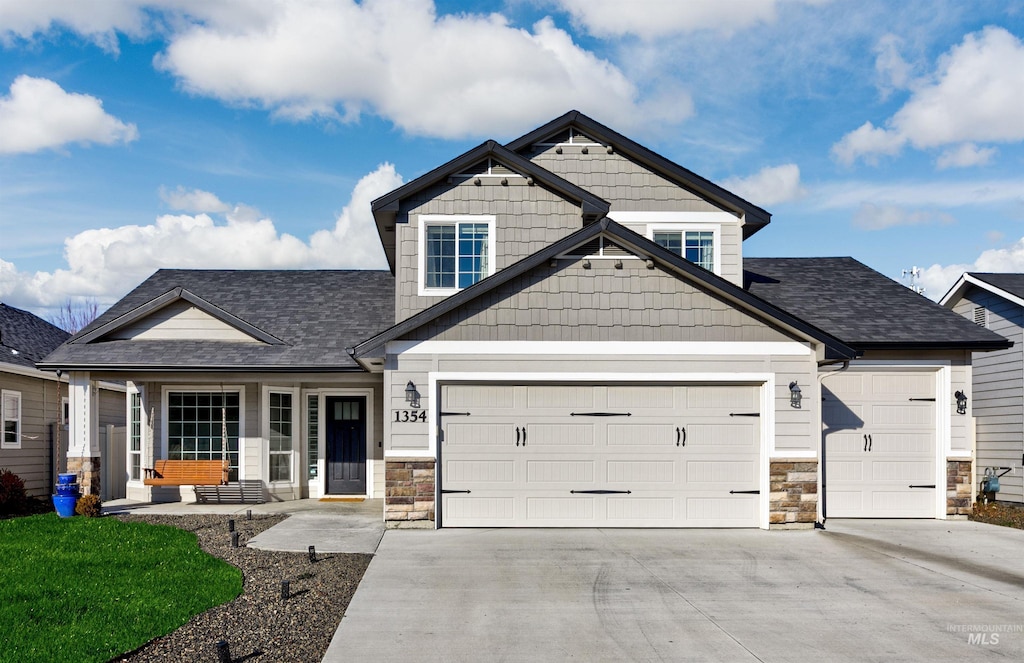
[(860, 591), (331, 526)]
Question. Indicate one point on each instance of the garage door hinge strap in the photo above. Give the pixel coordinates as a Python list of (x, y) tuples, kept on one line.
[(931, 485), (455, 414), (600, 414), (744, 492), (744, 414), (601, 492), (455, 491), (930, 400)]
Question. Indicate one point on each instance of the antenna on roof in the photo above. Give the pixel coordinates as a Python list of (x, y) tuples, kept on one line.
[(914, 273)]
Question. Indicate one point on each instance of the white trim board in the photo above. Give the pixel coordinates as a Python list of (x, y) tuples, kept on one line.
[(617, 348)]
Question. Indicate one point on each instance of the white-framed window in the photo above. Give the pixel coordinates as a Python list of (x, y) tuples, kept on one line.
[(280, 436), (136, 424), (312, 435), (454, 252), (65, 411), (697, 246), (203, 425), (10, 404), (696, 236)]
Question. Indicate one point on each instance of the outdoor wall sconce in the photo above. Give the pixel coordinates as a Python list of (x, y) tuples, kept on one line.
[(412, 396), (794, 395), (961, 402)]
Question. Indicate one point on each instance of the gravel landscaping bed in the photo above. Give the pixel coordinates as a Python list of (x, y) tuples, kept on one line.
[(259, 625)]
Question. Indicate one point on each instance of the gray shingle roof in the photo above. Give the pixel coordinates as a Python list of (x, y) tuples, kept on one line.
[(315, 313), (1011, 283), (26, 338), (861, 306)]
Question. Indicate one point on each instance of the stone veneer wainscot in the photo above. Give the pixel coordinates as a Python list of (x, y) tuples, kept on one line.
[(793, 499), (409, 493)]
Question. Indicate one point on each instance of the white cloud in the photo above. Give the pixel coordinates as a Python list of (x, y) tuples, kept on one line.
[(104, 262), (975, 95), (38, 114), (880, 217), (769, 186), (650, 19), (919, 194), (867, 142), (893, 71), (192, 200), (451, 76), (965, 155), (938, 279)]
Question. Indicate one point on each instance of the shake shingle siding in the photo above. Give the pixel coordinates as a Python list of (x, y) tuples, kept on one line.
[(527, 218), (600, 303)]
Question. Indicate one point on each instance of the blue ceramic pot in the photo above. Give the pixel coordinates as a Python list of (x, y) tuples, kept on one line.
[(65, 505)]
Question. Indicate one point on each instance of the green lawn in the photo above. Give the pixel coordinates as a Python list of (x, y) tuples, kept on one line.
[(87, 589)]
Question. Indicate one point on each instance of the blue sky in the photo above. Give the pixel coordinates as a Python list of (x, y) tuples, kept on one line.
[(136, 135)]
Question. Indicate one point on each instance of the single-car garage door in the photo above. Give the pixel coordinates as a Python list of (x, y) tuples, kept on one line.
[(588, 455), (880, 444)]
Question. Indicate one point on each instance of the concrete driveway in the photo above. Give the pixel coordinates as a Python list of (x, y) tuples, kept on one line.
[(860, 591)]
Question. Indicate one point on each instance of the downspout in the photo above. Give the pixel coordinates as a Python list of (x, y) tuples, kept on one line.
[(822, 497)]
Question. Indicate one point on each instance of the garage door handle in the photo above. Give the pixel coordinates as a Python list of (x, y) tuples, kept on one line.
[(681, 436), (865, 443), (524, 436), (871, 442), (517, 436)]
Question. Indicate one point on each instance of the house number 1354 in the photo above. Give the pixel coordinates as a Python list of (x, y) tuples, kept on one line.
[(410, 415)]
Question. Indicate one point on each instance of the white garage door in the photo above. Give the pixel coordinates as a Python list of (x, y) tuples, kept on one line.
[(600, 456), (880, 444)]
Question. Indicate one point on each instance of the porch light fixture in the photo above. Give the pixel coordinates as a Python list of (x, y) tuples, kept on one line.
[(412, 396), (961, 402), (794, 395)]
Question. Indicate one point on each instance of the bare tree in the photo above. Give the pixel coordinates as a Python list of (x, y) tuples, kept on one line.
[(72, 317)]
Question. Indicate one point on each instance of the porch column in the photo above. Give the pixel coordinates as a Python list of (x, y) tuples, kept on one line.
[(83, 436)]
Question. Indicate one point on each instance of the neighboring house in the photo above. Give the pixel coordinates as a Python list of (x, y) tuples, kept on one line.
[(996, 302), (568, 335), (33, 401)]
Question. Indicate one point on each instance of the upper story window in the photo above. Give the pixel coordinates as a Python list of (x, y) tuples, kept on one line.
[(454, 252), (696, 236), (697, 246)]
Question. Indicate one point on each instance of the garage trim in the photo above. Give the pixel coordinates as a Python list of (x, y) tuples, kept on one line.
[(943, 426), (767, 405)]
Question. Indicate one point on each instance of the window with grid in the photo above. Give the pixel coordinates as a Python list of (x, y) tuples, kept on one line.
[(203, 426), (280, 436), (10, 404), (135, 436), (697, 246), (313, 433), (457, 253)]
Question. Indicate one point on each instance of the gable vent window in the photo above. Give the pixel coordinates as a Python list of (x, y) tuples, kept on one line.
[(488, 168), (570, 136), (981, 316), (599, 247)]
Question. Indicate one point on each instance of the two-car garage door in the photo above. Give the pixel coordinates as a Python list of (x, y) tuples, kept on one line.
[(585, 455)]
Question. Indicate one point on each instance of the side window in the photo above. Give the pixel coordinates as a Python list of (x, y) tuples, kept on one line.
[(10, 403), (455, 253), (697, 246)]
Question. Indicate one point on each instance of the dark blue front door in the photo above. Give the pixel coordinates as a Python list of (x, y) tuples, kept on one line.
[(346, 445)]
